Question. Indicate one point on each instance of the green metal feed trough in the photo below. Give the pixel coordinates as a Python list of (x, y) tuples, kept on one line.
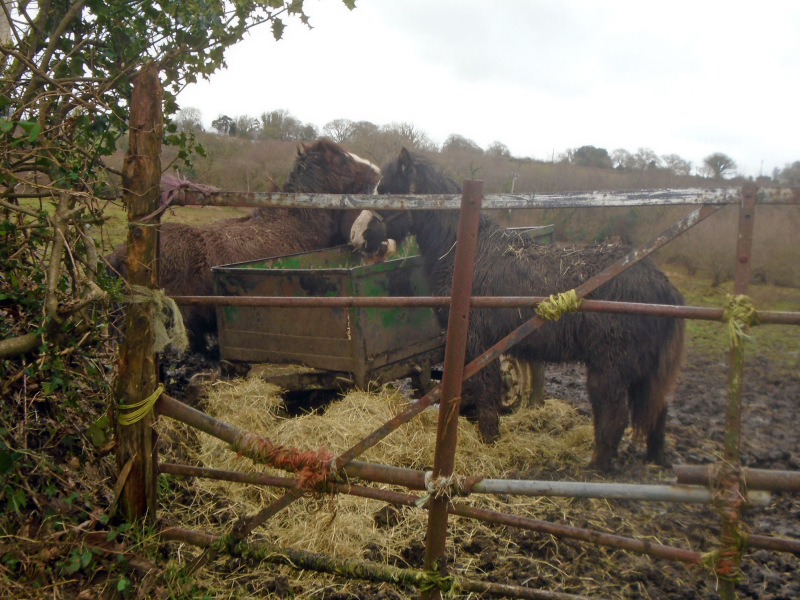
[(369, 344)]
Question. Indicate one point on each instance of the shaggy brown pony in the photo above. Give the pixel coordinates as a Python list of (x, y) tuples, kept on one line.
[(632, 361), (187, 253)]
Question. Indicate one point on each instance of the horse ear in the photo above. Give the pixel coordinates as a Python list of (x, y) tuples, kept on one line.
[(302, 148), (405, 159)]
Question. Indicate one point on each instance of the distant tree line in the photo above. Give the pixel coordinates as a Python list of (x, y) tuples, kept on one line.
[(379, 142)]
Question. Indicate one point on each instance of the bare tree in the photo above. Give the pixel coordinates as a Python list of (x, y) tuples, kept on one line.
[(224, 125), (458, 143), (410, 136), (498, 150), (247, 127), (645, 158), (719, 165), (789, 175), (282, 125), (622, 159), (676, 164), (339, 130), (189, 119)]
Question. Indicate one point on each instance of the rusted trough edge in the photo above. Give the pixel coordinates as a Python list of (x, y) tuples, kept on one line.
[(596, 199), (413, 479), (604, 306), (754, 479), (369, 571)]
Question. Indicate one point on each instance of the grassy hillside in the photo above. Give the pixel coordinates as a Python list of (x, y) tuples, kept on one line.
[(708, 249)]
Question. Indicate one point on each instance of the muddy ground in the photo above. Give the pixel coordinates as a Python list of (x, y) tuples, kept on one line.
[(770, 440)]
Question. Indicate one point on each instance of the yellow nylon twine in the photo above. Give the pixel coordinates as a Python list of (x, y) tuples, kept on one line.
[(739, 314), (140, 409), (558, 305)]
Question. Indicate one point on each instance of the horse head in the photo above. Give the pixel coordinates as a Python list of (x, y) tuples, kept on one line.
[(409, 173), (325, 167)]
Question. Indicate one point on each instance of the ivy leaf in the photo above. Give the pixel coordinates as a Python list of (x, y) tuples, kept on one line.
[(32, 129), (6, 462), (351, 4), (86, 558), (277, 28)]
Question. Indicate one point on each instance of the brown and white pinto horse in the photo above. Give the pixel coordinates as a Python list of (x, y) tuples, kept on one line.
[(632, 361), (187, 253)]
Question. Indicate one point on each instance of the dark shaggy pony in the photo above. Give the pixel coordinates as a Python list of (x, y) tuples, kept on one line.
[(187, 253), (632, 361)]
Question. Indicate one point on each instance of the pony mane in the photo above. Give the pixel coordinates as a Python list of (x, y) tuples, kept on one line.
[(413, 173), (325, 165)]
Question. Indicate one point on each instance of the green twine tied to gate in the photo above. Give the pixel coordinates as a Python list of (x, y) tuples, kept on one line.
[(727, 487), (739, 313), (445, 583), (558, 305), (354, 569), (225, 543), (140, 409), (726, 563)]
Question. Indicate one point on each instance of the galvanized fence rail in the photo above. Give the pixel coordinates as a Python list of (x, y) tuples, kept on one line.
[(138, 459)]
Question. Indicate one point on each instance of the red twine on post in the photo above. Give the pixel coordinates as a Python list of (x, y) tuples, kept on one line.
[(312, 468)]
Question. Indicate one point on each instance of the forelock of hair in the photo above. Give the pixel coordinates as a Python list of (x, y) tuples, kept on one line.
[(429, 179)]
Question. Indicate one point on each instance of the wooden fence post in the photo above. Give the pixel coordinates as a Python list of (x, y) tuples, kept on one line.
[(137, 375)]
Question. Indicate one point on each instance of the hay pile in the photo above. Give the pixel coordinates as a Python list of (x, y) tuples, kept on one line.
[(552, 439)]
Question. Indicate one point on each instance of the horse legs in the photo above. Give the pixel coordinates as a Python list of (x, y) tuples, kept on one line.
[(655, 441), (610, 415), (649, 418), (481, 400)]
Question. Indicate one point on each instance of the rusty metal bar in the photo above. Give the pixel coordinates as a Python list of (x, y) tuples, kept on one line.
[(754, 479), (591, 199), (778, 196), (763, 542), (597, 199), (223, 475), (459, 509), (455, 352), (602, 306), (729, 479), (175, 409), (409, 478), (300, 559)]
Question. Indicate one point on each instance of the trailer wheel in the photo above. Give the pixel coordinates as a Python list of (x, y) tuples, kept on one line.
[(523, 384)]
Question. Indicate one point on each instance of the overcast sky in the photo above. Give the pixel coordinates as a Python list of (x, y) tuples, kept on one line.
[(679, 77)]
